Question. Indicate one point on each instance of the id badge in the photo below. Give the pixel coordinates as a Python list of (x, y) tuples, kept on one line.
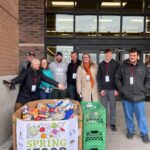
[(87, 78), (131, 80), (74, 76), (107, 79), (33, 89), (47, 90)]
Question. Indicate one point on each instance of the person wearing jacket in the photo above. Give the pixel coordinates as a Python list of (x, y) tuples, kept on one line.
[(45, 89), (133, 82), (106, 85), (71, 76), (86, 79), (30, 80)]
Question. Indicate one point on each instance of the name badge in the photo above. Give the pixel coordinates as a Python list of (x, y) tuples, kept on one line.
[(33, 89), (131, 80), (107, 79), (74, 76), (87, 78), (47, 90)]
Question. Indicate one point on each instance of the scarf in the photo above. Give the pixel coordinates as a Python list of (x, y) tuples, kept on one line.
[(88, 72)]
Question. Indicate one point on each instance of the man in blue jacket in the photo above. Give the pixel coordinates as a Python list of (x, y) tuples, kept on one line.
[(133, 81)]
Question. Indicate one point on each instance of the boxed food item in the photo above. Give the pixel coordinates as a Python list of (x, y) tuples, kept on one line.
[(35, 128)]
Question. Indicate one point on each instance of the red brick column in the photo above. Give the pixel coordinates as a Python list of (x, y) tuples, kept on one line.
[(31, 27), (9, 51)]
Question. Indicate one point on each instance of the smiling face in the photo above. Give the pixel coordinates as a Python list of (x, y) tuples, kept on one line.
[(59, 58), (74, 57), (86, 58), (133, 57), (35, 64), (44, 63), (108, 56)]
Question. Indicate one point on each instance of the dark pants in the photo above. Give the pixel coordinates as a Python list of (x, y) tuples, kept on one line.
[(110, 99), (58, 94), (43, 95), (73, 93)]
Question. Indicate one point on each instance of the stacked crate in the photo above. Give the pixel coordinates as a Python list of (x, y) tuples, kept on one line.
[(94, 126)]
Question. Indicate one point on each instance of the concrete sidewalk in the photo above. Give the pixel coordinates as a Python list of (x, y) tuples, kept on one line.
[(118, 141), (115, 140)]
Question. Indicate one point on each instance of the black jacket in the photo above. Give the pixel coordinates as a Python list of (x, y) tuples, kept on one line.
[(137, 91), (27, 78), (72, 68), (102, 72)]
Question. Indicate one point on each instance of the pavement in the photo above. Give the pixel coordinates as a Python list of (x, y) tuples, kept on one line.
[(118, 141), (114, 140)]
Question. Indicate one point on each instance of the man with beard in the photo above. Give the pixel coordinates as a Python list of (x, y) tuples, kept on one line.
[(59, 70)]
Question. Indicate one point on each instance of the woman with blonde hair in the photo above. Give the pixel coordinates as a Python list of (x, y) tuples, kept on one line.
[(87, 86)]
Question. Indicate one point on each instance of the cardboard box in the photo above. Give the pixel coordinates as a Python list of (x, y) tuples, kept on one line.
[(20, 128)]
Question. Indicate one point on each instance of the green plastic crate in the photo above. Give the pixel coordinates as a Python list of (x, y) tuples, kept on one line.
[(94, 146), (92, 106), (94, 135), (94, 126)]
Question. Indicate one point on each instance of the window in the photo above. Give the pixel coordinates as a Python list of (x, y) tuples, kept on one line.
[(59, 25), (86, 25), (109, 26), (132, 26), (66, 51)]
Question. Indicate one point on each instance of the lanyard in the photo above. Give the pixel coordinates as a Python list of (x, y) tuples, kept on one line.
[(34, 79), (132, 70), (106, 66)]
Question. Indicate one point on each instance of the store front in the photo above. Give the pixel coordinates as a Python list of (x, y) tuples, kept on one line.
[(93, 26)]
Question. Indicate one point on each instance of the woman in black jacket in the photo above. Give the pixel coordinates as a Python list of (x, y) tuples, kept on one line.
[(30, 80)]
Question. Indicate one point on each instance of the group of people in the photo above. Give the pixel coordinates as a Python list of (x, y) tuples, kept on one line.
[(85, 80)]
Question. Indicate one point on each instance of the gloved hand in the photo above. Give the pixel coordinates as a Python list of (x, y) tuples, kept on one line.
[(10, 84)]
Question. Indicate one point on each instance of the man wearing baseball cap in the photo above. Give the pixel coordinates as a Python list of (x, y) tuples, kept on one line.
[(29, 57), (59, 69)]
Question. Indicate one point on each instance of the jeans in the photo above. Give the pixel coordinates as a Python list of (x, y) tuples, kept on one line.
[(73, 93), (59, 94), (110, 99), (139, 109), (43, 95)]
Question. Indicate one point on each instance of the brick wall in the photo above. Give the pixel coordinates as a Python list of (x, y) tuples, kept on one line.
[(31, 27), (9, 53)]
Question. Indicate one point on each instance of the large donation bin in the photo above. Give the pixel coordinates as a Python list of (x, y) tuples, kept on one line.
[(48, 134)]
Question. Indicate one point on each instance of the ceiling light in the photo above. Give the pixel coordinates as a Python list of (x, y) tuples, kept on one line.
[(112, 4), (62, 3)]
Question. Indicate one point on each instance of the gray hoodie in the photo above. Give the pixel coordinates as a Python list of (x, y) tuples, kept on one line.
[(60, 71)]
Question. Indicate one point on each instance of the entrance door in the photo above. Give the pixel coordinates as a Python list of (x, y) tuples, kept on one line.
[(96, 52)]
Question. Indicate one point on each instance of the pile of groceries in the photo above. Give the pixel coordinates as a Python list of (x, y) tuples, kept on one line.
[(60, 110)]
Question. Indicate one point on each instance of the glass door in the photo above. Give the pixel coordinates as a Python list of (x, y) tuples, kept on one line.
[(92, 50)]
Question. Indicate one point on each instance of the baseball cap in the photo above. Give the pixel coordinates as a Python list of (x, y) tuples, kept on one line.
[(59, 53), (30, 53)]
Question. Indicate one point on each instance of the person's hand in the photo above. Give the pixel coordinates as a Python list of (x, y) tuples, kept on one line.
[(116, 93), (61, 86), (7, 82), (102, 93)]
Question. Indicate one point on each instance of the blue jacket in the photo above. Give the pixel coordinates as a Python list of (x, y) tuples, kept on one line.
[(48, 73)]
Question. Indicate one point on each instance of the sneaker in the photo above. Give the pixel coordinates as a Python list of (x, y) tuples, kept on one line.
[(113, 127), (130, 135), (145, 138)]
